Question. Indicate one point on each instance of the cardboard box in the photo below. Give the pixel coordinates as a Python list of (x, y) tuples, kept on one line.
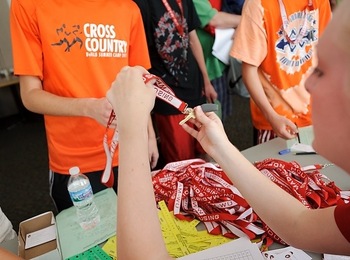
[(46, 249)]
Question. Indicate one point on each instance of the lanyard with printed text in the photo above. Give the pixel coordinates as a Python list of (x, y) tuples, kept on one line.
[(179, 27), (163, 92), (285, 23), (197, 188)]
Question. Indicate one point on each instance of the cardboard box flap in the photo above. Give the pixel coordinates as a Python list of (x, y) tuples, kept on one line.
[(36, 223), (47, 250), (40, 249)]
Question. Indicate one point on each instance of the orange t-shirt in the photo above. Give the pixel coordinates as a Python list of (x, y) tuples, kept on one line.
[(283, 65), (76, 48)]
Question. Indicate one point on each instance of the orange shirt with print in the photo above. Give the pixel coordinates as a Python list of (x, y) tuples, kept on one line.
[(76, 49), (283, 65)]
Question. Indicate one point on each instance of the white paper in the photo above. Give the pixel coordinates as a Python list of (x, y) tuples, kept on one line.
[(240, 248), (289, 252), (335, 257), (222, 44), (40, 236), (306, 135), (302, 148)]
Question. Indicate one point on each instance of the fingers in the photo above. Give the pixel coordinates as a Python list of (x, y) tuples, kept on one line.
[(153, 161), (124, 69), (196, 123), (128, 74), (190, 130), (291, 130), (204, 118), (132, 74), (287, 135), (200, 116), (141, 69), (150, 83), (211, 97)]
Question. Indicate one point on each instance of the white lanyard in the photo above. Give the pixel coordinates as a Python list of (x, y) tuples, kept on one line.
[(164, 92), (285, 22)]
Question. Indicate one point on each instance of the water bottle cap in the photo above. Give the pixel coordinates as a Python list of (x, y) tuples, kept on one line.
[(74, 170)]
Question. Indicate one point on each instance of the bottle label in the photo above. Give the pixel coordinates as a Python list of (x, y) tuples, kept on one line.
[(81, 195)]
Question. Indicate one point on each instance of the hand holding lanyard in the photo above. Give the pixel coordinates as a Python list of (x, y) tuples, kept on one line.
[(163, 92)]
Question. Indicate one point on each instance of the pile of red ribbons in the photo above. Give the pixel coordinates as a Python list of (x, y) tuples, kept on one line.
[(307, 184), (197, 189)]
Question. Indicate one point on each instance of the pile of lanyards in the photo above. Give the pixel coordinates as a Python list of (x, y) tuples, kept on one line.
[(202, 190)]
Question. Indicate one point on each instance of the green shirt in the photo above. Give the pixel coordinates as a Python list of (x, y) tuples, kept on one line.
[(205, 13)]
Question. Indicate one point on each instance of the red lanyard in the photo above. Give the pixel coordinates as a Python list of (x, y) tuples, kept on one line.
[(163, 92), (285, 22), (306, 184), (108, 176), (179, 27), (196, 188)]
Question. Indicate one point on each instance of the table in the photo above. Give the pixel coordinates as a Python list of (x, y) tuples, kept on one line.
[(13, 82), (73, 240), (270, 150), (6, 82)]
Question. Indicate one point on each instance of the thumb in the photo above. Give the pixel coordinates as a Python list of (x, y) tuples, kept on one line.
[(201, 116)]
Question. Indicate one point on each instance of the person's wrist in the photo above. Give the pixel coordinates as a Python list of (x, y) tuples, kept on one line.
[(221, 150), (132, 122), (131, 130)]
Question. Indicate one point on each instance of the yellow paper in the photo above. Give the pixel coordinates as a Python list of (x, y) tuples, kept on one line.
[(182, 237), (110, 247)]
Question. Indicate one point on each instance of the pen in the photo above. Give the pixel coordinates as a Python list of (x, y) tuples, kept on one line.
[(285, 151), (305, 153), (297, 134)]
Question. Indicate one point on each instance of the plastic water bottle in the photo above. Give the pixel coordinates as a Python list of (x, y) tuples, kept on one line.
[(81, 194)]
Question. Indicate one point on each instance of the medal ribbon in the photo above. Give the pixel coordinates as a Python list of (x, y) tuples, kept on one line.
[(195, 188), (201, 190), (306, 184), (163, 92), (178, 26)]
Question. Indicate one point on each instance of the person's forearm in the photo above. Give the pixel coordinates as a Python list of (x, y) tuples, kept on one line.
[(39, 101), (256, 90), (269, 201), (48, 104), (282, 212), (153, 153), (138, 224), (151, 132), (4, 254), (224, 20), (197, 50)]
